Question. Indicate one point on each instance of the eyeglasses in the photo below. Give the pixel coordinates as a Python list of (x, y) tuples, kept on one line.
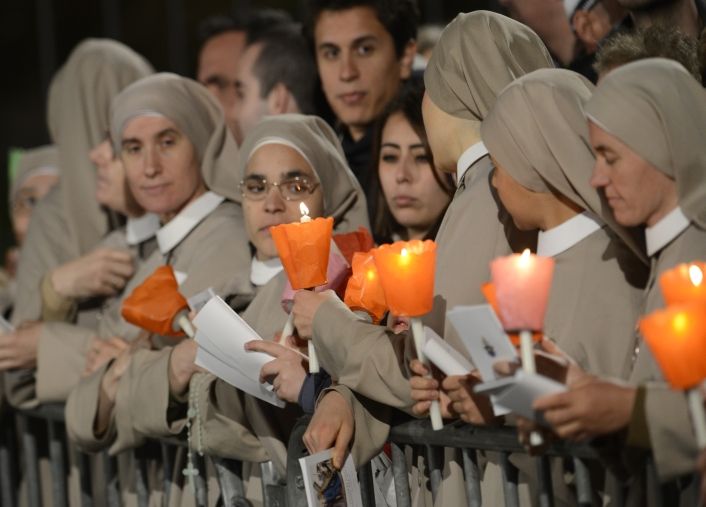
[(295, 188)]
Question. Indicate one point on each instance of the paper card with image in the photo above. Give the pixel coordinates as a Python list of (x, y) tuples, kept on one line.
[(444, 356), (484, 337), (517, 393), (235, 377), (327, 487)]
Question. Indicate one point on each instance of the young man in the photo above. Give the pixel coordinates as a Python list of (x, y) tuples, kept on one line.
[(275, 75), (363, 49)]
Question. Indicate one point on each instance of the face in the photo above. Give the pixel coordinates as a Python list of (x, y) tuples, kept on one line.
[(435, 125), (523, 205), (162, 169), (111, 190), (412, 193), (217, 69), (360, 72), (637, 191), (249, 107), (267, 206), (29, 194)]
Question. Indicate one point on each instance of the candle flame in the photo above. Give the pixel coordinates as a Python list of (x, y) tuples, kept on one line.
[(371, 275), (680, 322), (525, 257), (303, 209), (696, 275), (404, 252)]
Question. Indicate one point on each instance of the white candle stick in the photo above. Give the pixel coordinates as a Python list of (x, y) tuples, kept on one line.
[(418, 334), (526, 352), (287, 330), (313, 358), (185, 324), (698, 418)]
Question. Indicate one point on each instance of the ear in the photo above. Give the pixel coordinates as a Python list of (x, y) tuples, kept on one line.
[(590, 28), (407, 59), (280, 100)]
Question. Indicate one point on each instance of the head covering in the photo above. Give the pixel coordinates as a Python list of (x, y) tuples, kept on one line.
[(34, 161), (658, 109), (78, 113), (478, 54), (538, 133), (192, 108), (344, 199)]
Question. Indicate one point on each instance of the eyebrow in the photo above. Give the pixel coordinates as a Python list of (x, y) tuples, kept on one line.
[(395, 145), (355, 42), (161, 133), (293, 173)]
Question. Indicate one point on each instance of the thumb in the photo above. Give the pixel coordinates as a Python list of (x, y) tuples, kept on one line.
[(340, 448)]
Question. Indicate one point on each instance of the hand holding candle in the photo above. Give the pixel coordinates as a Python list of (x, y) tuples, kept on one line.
[(677, 338), (406, 271), (157, 306), (304, 249)]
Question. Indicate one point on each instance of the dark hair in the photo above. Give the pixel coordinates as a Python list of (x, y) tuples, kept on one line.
[(285, 58), (399, 17), (653, 41), (217, 25), (408, 102), (252, 22), (262, 21)]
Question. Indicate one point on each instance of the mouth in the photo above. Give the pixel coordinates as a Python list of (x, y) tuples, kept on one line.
[(352, 98), (404, 201), (154, 189)]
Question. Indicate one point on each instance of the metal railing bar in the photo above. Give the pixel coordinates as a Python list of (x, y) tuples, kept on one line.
[(167, 469), (584, 495), (200, 481), (229, 474), (84, 478), (8, 456), (399, 474), (367, 489), (510, 481), (31, 462), (110, 470), (435, 466), (544, 478), (471, 475), (141, 488)]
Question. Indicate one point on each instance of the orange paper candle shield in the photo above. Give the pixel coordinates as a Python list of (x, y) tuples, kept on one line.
[(684, 283), (352, 242), (304, 249), (155, 303), (406, 270), (522, 285), (364, 291), (677, 338), (488, 291)]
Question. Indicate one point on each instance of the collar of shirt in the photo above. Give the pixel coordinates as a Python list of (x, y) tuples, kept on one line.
[(664, 231), (262, 272), (171, 234), (468, 158), (562, 237), (141, 229)]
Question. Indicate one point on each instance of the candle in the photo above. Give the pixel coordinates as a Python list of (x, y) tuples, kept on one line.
[(364, 291), (684, 283), (677, 338), (488, 290), (304, 210), (406, 271)]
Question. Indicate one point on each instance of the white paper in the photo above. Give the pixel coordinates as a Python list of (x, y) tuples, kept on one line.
[(180, 277), (197, 301), (5, 326), (235, 377), (484, 337), (326, 486), (444, 356), (518, 392)]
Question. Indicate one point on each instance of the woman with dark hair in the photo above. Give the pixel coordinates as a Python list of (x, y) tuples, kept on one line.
[(411, 194)]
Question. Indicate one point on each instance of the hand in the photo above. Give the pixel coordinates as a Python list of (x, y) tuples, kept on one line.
[(109, 390), (331, 425), (182, 366), (101, 272), (306, 304), (471, 408), (590, 408), (425, 389), (101, 351), (19, 348), (286, 372)]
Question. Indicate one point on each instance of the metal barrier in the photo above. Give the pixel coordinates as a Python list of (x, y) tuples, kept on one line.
[(41, 431)]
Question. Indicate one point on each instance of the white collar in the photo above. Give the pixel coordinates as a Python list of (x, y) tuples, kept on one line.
[(468, 158), (141, 229), (565, 235), (171, 233), (664, 231), (262, 272)]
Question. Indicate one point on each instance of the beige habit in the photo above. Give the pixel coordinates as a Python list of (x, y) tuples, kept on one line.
[(662, 98)]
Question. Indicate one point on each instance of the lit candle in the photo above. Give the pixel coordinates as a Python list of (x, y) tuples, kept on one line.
[(684, 283), (304, 210), (406, 271), (364, 291), (522, 285), (677, 338)]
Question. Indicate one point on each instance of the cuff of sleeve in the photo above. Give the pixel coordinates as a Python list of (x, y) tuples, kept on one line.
[(638, 434), (54, 305)]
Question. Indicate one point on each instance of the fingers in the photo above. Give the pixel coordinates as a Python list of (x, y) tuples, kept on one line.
[(421, 408), (343, 439), (552, 401), (419, 368), (272, 348), (269, 370)]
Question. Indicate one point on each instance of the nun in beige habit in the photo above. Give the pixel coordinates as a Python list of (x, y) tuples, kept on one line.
[(538, 137), (227, 422), (669, 106), (205, 243), (478, 54)]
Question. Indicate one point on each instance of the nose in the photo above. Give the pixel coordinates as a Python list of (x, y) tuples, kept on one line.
[(153, 165), (349, 69), (405, 170), (274, 203), (599, 176), (99, 155)]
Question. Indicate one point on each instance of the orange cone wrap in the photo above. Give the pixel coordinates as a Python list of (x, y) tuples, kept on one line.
[(406, 270), (677, 338), (488, 290), (684, 283), (304, 249), (352, 242), (364, 291), (155, 303)]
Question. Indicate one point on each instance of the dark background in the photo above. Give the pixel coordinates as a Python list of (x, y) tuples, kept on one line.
[(36, 37)]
